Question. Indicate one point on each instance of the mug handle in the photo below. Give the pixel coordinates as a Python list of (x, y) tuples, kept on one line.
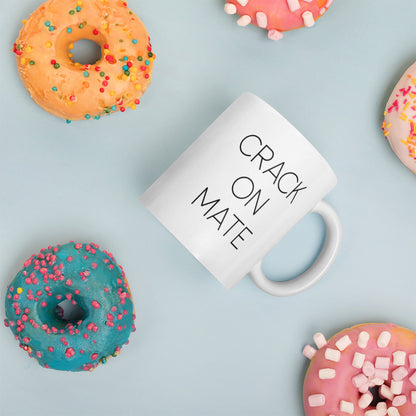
[(319, 267)]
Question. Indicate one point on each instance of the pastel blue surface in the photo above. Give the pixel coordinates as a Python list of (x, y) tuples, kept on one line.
[(200, 350)]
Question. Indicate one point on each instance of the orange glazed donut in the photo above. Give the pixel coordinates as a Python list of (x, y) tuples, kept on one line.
[(73, 91), (366, 370), (277, 16)]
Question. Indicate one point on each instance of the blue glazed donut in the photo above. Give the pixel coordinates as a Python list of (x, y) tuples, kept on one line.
[(88, 278)]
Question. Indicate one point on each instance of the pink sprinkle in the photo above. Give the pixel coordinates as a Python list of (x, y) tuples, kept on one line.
[(106, 289), (50, 349), (78, 246), (95, 304), (24, 318), (109, 316), (119, 327), (69, 258), (69, 282), (69, 352), (109, 323), (38, 354), (68, 296), (119, 316), (76, 292), (113, 309), (90, 326), (86, 336), (26, 340), (94, 265), (94, 356)]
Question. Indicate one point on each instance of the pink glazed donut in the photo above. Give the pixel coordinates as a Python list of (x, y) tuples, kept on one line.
[(278, 16), (366, 370), (399, 124)]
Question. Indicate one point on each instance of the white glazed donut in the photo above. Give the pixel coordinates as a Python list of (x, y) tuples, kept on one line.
[(399, 125)]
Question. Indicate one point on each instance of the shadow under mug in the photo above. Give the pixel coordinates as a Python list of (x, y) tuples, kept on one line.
[(240, 188)]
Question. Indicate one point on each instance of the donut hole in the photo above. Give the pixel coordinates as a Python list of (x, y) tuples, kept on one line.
[(86, 52), (376, 396), (68, 311)]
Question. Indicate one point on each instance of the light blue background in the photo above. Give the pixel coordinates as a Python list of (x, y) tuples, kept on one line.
[(200, 350)]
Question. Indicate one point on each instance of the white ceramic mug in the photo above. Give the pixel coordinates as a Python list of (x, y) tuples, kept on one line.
[(239, 188)]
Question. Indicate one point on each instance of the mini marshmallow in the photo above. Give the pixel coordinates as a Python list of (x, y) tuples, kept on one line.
[(244, 20), (412, 379), (381, 408), (358, 360), (359, 380), (332, 355), (399, 373), (261, 19), (385, 392), (319, 340), (293, 5), (316, 400), (399, 358), (392, 411), (381, 373), (274, 35), (376, 381), (363, 339), (364, 388), (368, 368), (382, 362), (371, 413), (326, 373), (413, 397), (243, 2), (343, 342), (384, 339), (309, 351), (399, 400), (308, 19), (346, 407), (396, 387), (230, 8), (365, 400), (412, 360)]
